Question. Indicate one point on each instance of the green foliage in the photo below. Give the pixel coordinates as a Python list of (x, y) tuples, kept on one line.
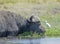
[(30, 35)]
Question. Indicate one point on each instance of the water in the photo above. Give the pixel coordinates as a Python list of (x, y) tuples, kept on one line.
[(32, 41)]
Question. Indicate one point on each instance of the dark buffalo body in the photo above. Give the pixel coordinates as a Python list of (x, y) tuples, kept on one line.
[(12, 24)]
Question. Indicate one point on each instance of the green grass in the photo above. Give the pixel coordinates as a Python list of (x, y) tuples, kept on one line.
[(54, 21), (53, 33), (7, 1), (27, 1), (20, 1), (30, 35)]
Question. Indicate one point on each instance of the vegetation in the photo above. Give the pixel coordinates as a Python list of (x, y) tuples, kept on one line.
[(54, 20), (27, 1), (46, 11), (7, 1), (31, 35)]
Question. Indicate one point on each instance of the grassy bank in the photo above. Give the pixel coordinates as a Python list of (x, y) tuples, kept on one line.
[(54, 21)]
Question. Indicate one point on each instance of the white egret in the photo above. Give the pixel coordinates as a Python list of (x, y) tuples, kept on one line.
[(48, 24)]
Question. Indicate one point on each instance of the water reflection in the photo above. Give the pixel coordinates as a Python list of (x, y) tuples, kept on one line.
[(26, 41), (32, 41)]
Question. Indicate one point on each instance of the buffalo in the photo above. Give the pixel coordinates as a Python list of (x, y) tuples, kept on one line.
[(12, 24)]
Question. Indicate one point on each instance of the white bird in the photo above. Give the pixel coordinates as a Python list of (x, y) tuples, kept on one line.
[(48, 24)]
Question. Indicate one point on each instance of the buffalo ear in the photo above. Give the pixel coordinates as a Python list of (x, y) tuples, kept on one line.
[(34, 19), (30, 19)]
